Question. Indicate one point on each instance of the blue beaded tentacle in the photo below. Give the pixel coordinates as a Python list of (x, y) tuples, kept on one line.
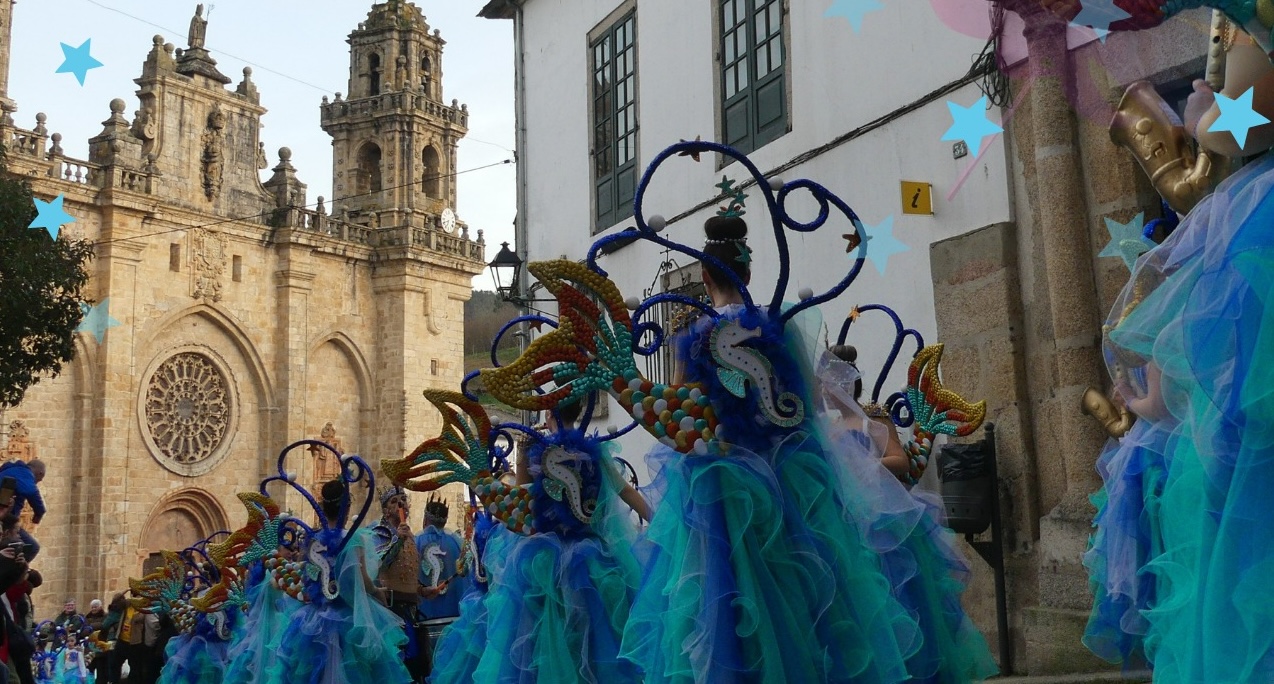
[(464, 385), (640, 328), (645, 232)]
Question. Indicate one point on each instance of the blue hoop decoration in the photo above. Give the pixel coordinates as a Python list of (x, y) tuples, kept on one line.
[(901, 334), (499, 336), (779, 219), (640, 327), (353, 470)]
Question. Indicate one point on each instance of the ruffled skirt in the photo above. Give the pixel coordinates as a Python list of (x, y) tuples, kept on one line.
[(1207, 321), (554, 611), (756, 570), (1127, 538)]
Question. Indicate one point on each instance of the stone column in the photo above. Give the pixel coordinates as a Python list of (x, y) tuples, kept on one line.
[(1051, 154), (111, 514), (293, 282), (7, 106)]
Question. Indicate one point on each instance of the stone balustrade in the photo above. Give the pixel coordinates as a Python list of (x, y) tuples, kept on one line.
[(396, 102), (317, 221)]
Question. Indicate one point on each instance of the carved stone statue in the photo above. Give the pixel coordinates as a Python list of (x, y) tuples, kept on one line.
[(213, 162), (198, 29), (326, 465), (20, 446)]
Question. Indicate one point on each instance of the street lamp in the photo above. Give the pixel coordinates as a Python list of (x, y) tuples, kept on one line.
[(506, 270)]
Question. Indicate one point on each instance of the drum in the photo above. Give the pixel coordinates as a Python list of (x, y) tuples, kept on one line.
[(435, 626)]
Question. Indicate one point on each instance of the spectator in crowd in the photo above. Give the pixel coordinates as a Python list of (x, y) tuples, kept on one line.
[(131, 645), (107, 666), (70, 618), (26, 490), (95, 615), (15, 585)]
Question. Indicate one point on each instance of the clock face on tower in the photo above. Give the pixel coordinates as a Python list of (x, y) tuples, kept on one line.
[(448, 220)]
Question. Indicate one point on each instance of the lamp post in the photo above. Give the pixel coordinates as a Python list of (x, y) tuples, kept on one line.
[(506, 271)]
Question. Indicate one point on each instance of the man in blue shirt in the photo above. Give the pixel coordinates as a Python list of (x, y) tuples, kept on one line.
[(27, 478), (439, 550)]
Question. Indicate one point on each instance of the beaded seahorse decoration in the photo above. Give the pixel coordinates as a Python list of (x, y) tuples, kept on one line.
[(936, 409), (462, 453), (592, 350)]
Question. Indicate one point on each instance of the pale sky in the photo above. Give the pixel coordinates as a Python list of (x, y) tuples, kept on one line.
[(297, 52)]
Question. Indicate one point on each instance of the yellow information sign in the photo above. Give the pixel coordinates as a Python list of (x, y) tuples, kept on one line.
[(917, 197)]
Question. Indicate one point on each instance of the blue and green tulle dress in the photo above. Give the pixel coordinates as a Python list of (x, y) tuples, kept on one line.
[(755, 567), (201, 655), (255, 640), (351, 639), (1126, 538), (905, 528), (556, 601), (1202, 310)]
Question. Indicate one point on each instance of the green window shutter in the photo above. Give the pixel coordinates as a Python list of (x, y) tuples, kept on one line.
[(753, 73), (615, 121)]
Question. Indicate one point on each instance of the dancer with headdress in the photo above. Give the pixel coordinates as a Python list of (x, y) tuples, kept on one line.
[(442, 587), (399, 578), (904, 525), (754, 569), (1196, 319), (555, 553), (335, 630)]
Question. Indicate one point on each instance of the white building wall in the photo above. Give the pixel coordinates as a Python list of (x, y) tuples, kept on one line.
[(838, 81)]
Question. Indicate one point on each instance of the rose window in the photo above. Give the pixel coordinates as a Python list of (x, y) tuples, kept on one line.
[(187, 408)]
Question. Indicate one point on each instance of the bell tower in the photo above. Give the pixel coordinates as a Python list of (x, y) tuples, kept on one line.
[(393, 139)]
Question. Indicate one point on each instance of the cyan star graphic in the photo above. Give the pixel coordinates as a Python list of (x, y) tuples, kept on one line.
[(726, 185), (881, 243), (51, 216), (1237, 116), (1127, 240), (745, 255), (853, 10), (97, 319), (1099, 15), (78, 61), (970, 124)]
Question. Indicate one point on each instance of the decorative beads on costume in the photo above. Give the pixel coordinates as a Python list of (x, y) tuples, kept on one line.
[(739, 364), (679, 416), (506, 503), (937, 410), (287, 576)]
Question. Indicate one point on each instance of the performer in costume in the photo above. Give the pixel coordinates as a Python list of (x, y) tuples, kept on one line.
[(200, 651), (905, 526), (400, 569), (754, 568), (339, 633), (557, 557), (256, 554), (439, 552), (1198, 318)]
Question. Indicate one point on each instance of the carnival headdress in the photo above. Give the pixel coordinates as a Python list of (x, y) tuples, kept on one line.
[(436, 509), (388, 492)]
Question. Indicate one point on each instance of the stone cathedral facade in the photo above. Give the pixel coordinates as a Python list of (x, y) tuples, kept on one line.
[(249, 316)]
